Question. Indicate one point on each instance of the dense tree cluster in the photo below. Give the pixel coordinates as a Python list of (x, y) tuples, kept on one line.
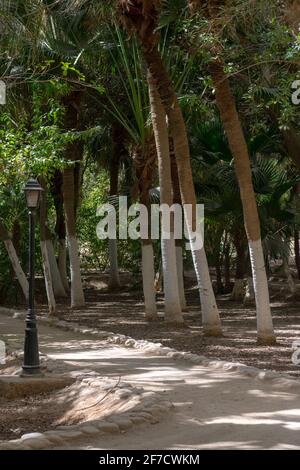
[(186, 101)]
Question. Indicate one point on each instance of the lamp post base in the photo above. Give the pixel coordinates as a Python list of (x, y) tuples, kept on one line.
[(31, 372)]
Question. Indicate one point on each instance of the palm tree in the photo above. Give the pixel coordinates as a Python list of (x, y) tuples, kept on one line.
[(73, 154), (114, 167), (60, 226), (237, 143), (128, 106), (172, 299), (178, 242), (53, 279), (142, 19), (45, 254), (220, 193), (144, 160)]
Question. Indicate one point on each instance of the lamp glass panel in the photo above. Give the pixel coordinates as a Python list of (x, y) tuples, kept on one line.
[(32, 197)]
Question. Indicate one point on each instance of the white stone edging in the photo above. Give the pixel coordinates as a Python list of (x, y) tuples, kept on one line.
[(278, 378), (151, 407), (146, 412)]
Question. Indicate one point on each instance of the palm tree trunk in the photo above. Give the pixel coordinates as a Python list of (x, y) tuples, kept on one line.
[(57, 282), (71, 190), (210, 315), (14, 259), (178, 243), (114, 278), (60, 227), (45, 255), (144, 159), (238, 292), (62, 263), (77, 295), (58, 287), (172, 301), (290, 281), (249, 298), (148, 275), (232, 125), (180, 274), (143, 18)]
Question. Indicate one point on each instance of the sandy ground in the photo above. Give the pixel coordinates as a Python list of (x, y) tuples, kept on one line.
[(214, 409), (123, 312)]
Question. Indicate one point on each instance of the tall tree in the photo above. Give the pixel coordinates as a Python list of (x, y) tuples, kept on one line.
[(73, 154), (141, 18), (238, 146), (144, 158), (60, 226), (45, 253), (172, 299)]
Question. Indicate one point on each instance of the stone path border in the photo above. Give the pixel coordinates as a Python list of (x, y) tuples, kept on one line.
[(279, 379), (150, 409)]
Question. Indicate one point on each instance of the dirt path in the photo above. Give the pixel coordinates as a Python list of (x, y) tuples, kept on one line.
[(123, 312), (213, 408)]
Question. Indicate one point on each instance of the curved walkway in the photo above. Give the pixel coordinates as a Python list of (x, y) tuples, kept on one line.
[(214, 408)]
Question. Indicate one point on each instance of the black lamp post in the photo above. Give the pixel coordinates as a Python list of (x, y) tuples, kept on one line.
[(31, 365)]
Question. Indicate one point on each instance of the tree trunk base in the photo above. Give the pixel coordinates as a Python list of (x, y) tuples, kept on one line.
[(238, 292), (215, 331), (151, 317), (266, 340), (174, 319)]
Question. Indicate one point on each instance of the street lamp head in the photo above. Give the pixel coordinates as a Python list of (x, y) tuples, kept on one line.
[(33, 192)]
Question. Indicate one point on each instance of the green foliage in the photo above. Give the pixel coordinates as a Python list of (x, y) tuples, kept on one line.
[(50, 49), (94, 252)]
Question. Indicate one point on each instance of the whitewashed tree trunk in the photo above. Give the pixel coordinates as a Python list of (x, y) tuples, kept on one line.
[(249, 293), (148, 275), (158, 281), (238, 291), (173, 311), (17, 267), (265, 331), (169, 105), (180, 275), (70, 196), (44, 249), (237, 142), (77, 295), (289, 278), (62, 263), (114, 278), (210, 313), (58, 287), (170, 279), (48, 278)]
